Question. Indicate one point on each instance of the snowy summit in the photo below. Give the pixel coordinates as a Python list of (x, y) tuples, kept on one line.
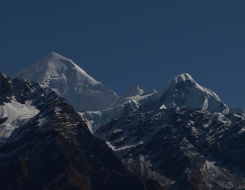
[(183, 90), (181, 78), (71, 82)]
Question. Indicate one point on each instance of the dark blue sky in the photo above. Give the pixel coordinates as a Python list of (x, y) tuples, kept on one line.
[(121, 43)]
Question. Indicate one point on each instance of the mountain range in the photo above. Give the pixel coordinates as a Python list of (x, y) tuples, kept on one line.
[(62, 129)]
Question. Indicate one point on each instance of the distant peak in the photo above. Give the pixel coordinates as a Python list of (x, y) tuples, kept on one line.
[(53, 55), (56, 61), (181, 78), (150, 91), (136, 88), (134, 91)]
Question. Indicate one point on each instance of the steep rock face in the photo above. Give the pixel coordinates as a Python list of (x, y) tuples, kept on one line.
[(5, 89), (54, 149), (181, 148), (71, 82)]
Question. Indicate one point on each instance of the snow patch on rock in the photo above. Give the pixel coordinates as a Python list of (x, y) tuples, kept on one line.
[(16, 114)]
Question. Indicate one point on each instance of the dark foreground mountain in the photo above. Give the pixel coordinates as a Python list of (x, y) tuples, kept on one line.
[(182, 148), (47, 146)]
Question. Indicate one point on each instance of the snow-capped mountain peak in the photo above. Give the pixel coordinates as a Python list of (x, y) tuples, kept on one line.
[(134, 91), (55, 66), (57, 62), (181, 78), (53, 56), (183, 90), (70, 81)]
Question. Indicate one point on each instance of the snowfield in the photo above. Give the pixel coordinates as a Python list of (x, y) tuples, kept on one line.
[(16, 114)]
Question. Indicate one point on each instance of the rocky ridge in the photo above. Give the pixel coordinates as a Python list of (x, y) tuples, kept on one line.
[(54, 149)]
